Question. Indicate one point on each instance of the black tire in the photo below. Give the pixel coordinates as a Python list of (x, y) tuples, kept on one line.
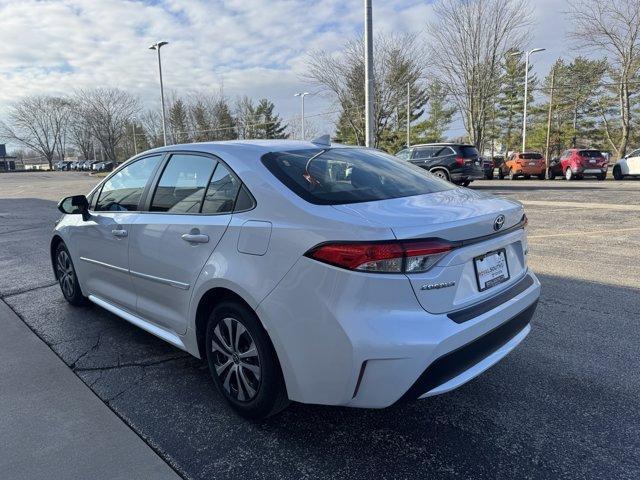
[(601, 176), (551, 175), (67, 277), (541, 176), (441, 173), (466, 183), (253, 386), (490, 176), (527, 177), (500, 174), (512, 176), (617, 173)]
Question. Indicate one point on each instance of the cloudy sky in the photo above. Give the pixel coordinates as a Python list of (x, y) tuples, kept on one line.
[(252, 47)]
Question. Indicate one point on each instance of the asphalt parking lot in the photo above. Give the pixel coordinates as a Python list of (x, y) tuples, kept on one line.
[(565, 404)]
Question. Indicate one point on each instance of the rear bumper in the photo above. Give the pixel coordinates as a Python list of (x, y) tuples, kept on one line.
[(363, 340), (464, 174), (591, 170), (527, 170)]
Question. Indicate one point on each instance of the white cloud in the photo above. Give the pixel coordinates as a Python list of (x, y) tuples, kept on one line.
[(254, 47)]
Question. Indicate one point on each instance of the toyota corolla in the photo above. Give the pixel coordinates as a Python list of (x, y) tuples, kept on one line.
[(303, 271)]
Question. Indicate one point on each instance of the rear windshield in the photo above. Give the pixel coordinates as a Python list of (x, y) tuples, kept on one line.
[(590, 153), (531, 156), (349, 175), (468, 152)]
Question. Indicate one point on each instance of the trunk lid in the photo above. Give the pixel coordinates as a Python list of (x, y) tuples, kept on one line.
[(458, 214)]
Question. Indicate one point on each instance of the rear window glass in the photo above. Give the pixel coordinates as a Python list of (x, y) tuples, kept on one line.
[(468, 152), (349, 175), (590, 153), (531, 156)]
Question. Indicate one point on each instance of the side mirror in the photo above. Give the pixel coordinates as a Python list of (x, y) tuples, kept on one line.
[(75, 205)]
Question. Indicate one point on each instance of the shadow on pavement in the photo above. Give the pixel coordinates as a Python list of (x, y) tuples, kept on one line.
[(565, 404)]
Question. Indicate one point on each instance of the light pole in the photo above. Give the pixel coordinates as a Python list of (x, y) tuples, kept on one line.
[(302, 95), (156, 46), (368, 75), (526, 91)]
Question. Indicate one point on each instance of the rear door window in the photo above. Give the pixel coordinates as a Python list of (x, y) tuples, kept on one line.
[(423, 152), (349, 175), (221, 192), (445, 151), (182, 184)]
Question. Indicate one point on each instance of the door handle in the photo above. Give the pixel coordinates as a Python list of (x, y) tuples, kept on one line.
[(120, 233), (195, 237)]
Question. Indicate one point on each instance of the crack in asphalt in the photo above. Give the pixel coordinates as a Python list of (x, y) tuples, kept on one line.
[(129, 364), (89, 350), (26, 290)]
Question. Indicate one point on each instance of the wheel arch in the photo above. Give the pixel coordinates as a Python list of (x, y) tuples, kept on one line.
[(443, 168), (55, 241)]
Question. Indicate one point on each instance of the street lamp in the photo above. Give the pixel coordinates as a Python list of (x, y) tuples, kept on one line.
[(302, 95), (156, 46), (526, 91)]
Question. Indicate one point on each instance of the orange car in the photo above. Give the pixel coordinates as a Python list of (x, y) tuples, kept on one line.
[(525, 165)]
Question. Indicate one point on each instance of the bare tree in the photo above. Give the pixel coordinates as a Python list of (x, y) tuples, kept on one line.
[(468, 43), (612, 27), (399, 61), (38, 123), (108, 112), (80, 134)]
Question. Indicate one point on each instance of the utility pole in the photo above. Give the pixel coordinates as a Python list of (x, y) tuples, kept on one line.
[(368, 75), (135, 143), (302, 95), (408, 115), (156, 46), (546, 154)]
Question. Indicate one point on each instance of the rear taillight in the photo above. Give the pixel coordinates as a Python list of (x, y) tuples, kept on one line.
[(408, 256), (460, 160)]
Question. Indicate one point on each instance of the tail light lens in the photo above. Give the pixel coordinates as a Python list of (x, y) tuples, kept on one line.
[(460, 160), (410, 256)]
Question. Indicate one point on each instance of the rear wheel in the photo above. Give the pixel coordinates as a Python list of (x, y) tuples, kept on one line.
[(551, 175), (601, 176), (541, 176), (466, 183), (243, 362), (441, 174), (512, 176), (568, 174), (500, 174), (617, 173), (66, 276)]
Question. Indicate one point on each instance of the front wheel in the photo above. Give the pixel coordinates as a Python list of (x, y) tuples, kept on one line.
[(617, 173), (466, 183), (551, 175), (243, 362), (67, 277), (568, 174), (500, 174), (512, 176)]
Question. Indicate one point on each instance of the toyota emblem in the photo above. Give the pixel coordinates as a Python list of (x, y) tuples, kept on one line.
[(498, 222)]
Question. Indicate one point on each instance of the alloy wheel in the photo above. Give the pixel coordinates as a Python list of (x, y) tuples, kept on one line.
[(440, 174), (66, 275), (236, 360)]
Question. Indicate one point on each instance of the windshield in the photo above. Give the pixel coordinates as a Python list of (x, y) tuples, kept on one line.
[(349, 175), (531, 156)]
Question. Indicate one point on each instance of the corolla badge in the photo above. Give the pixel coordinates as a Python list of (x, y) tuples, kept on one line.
[(436, 286), (498, 222)]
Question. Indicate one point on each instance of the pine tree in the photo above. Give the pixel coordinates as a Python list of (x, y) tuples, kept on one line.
[(179, 122), (440, 116), (269, 125)]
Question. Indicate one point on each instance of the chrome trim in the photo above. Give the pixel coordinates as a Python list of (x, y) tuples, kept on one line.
[(165, 281), (107, 265)]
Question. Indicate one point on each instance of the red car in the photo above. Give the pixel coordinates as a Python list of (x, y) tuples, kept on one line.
[(578, 163)]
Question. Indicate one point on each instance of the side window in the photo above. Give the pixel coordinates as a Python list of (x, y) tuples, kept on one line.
[(424, 152), (123, 190), (182, 184), (222, 191), (244, 201), (444, 151)]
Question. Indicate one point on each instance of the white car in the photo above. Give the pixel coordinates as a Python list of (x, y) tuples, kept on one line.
[(303, 271), (627, 166)]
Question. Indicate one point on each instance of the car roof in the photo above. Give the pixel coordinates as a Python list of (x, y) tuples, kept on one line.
[(443, 144)]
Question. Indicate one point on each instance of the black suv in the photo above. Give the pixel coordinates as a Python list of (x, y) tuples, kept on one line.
[(455, 162)]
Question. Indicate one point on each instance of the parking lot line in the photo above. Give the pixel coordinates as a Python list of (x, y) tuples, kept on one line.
[(609, 206), (583, 233)]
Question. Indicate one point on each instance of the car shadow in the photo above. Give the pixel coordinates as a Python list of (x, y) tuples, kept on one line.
[(557, 406)]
